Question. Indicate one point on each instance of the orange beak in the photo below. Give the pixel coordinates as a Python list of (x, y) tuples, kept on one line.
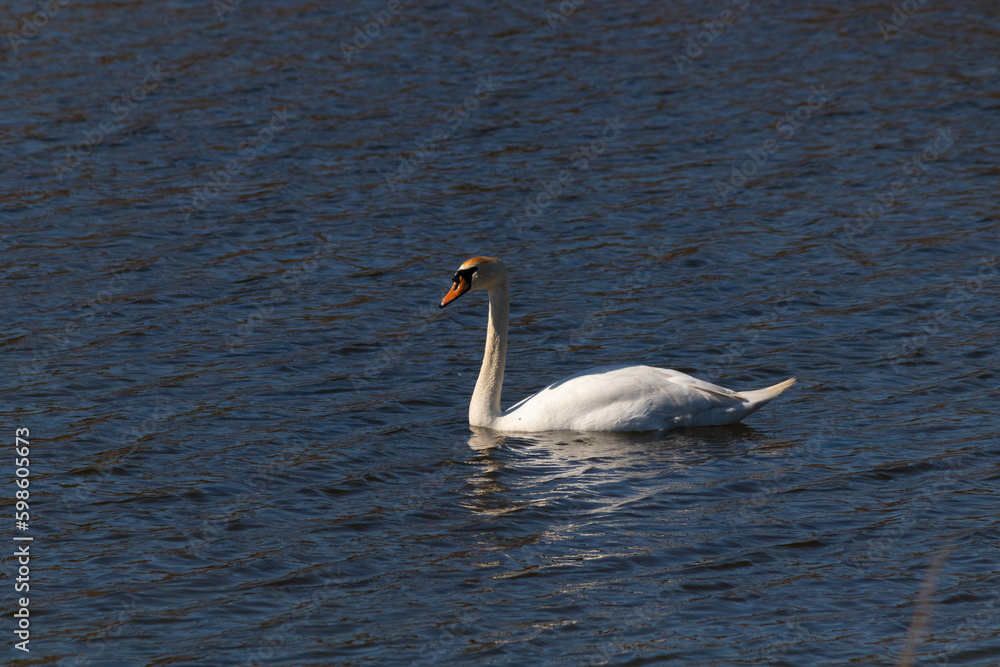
[(460, 287)]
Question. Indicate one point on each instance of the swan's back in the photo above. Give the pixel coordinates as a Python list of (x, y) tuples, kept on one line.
[(633, 398)]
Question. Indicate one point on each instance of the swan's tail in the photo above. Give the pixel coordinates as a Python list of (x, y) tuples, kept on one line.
[(758, 398)]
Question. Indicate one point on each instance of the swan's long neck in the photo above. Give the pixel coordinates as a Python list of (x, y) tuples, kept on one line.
[(485, 405)]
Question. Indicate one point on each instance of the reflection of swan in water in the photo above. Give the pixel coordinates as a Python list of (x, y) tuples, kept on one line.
[(607, 398), (615, 445), (512, 472)]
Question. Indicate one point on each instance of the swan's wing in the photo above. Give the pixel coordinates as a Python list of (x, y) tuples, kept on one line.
[(707, 388), (624, 398)]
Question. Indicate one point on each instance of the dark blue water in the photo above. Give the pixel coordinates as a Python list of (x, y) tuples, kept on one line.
[(225, 230)]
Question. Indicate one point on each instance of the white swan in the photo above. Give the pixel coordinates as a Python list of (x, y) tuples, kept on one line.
[(606, 398)]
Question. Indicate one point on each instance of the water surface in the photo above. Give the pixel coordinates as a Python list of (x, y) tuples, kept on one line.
[(248, 416)]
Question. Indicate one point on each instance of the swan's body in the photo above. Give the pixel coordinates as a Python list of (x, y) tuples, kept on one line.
[(631, 398), (606, 398)]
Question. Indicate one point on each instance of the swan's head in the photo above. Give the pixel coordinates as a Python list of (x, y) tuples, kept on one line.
[(476, 273)]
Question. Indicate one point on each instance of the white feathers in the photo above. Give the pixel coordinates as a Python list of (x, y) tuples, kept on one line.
[(631, 398)]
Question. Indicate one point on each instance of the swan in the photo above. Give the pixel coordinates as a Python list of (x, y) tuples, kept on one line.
[(605, 398)]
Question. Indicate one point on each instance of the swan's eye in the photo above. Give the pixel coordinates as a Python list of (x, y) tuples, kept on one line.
[(465, 274)]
